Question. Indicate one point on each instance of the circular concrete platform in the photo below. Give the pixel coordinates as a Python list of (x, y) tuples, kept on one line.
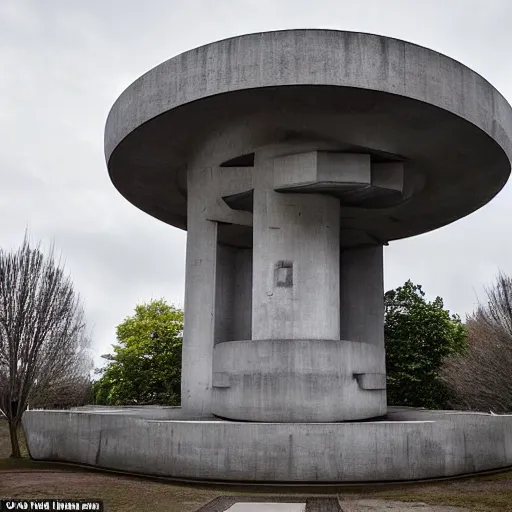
[(347, 91), (409, 445)]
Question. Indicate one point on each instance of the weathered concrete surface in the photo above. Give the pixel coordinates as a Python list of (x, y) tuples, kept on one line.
[(233, 300), (200, 278), (443, 120), (298, 380), (296, 285), (274, 452), (370, 130), (362, 295), (284, 279), (291, 158), (152, 412)]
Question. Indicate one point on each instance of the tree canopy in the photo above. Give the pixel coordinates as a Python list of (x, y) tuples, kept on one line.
[(145, 366), (419, 336)]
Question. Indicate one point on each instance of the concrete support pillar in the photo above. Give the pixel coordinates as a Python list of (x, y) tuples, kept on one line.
[(362, 295), (299, 366), (295, 266), (200, 274)]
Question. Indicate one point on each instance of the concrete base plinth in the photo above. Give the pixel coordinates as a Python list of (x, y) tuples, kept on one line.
[(408, 445), (298, 380)]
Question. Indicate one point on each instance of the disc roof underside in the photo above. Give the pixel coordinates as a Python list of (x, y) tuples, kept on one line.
[(460, 153)]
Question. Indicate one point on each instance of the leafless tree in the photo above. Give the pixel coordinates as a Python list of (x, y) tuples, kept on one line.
[(497, 311), (481, 379), (43, 339), (63, 393)]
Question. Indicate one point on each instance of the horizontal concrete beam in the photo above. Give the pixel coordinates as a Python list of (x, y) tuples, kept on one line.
[(352, 177), (321, 168)]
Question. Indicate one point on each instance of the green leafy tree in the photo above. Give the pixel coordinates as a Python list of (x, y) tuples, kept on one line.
[(419, 336), (145, 367)]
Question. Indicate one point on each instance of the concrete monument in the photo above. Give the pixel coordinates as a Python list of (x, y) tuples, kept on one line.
[(291, 158)]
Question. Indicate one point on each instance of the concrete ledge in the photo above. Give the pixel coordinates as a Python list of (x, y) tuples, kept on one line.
[(458, 444), (353, 178), (374, 381), (298, 380), (153, 412), (343, 170)]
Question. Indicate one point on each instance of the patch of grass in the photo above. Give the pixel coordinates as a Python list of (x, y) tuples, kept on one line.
[(29, 464), (479, 501), (497, 476), (5, 440)]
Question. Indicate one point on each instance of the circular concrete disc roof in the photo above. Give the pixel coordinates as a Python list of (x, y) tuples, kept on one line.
[(446, 122)]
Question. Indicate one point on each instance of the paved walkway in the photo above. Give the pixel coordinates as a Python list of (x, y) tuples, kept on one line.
[(317, 504)]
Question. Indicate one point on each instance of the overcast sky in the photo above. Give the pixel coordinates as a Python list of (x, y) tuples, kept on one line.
[(63, 64)]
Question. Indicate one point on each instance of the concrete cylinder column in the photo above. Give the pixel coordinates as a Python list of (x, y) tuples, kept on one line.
[(295, 266), (317, 348)]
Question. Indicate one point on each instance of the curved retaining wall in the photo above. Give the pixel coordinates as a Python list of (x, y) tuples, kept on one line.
[(275, 452)]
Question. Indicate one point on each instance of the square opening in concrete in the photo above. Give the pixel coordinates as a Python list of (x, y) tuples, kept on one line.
[(233, 292)]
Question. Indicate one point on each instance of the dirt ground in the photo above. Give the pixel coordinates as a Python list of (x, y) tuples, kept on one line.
[(118, 493)]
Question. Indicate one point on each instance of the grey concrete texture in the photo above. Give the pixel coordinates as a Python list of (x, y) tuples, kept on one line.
[(291, 158), (292, 280), (448, 125), (370, 130), (298, 380), (151, 412), (354, 178), (362, 295), (274, 452), (300, 231), (233, 299)]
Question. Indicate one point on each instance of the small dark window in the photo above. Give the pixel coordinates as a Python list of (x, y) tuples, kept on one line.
[(284, 274), (240, 161)]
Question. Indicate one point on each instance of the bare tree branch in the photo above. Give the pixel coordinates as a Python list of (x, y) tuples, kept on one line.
[(43, 342), (481, 379)]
